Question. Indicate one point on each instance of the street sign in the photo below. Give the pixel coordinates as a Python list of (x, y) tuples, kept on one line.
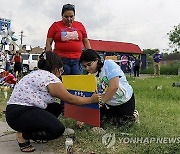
[(5, 24)]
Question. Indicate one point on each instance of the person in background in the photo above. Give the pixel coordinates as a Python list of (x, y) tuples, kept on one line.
[(137, 66), (8, 80), (1, 57), (69, 37), (17, 59), (131, 65), (118, 101), (157, 57), (7, 59), (31, 109), (3, 73)]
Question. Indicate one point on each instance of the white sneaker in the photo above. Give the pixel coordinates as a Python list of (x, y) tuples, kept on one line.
[(68, 131)]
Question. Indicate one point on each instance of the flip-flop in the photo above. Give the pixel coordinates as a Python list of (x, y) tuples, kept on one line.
[(26, 147)]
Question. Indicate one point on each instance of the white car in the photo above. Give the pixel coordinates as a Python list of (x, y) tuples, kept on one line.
[(30, 61)]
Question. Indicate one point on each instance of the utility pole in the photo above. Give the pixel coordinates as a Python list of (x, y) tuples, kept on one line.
[(21, 36)]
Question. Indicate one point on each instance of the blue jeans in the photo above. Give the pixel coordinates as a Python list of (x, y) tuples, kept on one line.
[(7, 67), (71, 66)]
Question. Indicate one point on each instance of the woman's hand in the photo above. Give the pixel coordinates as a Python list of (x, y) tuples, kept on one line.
[(96, 97), (59, 91)]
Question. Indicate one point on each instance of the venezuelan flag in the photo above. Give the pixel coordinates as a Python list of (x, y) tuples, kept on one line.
[(84, 86)]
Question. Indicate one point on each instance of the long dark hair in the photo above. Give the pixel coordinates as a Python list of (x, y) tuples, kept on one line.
[(49, 61), (91, 55)]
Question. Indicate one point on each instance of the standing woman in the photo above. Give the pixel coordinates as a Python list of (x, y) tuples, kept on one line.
[(118, 102), (69, 37), (137, 66), (17, 59)]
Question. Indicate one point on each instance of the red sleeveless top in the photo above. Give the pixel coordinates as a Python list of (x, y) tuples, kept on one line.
[(17, 59)]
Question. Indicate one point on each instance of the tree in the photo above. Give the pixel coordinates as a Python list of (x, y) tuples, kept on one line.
[(174, 38), (149, 52)]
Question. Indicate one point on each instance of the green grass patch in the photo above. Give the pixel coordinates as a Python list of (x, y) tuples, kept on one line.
[(166, 69), (3, 101), (158, 105)]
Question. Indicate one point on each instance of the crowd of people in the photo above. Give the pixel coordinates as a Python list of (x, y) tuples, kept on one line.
[(9, 75), (32, 110)]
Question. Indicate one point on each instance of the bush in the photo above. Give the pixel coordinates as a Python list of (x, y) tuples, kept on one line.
[(169, 68)]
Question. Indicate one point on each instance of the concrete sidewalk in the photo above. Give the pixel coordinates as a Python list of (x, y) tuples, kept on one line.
[(8, 143)]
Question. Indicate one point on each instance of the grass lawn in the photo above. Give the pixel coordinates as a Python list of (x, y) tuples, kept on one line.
[(158, 132)]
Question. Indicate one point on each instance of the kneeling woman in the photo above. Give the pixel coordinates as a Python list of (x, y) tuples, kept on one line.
[(118, 102), (31, 110)]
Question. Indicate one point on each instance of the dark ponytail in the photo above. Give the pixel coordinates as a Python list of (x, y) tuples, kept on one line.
[(49, 61)]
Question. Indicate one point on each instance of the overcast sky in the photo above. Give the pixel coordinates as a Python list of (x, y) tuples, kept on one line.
[(142, 22)]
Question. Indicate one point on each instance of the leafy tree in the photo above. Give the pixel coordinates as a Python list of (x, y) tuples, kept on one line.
[(174, 38), (171, 56), (149, 52)]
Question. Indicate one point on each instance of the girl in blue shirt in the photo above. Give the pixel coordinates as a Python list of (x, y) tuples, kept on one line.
[(118, 102)]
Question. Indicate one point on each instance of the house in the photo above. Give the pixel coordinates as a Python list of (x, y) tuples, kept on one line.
[(112, 47), (35, 50), (122, 50)]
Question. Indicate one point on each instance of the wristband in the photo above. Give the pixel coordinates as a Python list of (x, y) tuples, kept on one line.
[(103, 103)]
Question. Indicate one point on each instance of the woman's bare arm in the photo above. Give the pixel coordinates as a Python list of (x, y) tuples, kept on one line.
[(49, 44), (58, 90), (113, 87), (86, 43)]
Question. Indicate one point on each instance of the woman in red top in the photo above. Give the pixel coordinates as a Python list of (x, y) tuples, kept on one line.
[(69, 37), (18, 63), (10, 79)]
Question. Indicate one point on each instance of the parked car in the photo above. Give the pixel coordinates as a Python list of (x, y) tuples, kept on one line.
[(29, 61)]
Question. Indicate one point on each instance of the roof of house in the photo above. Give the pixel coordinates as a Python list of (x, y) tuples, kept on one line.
[(37, 50), (33, 50), (111, 46)]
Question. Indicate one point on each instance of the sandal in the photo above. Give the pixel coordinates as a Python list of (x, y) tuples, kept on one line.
[(26, 147)]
